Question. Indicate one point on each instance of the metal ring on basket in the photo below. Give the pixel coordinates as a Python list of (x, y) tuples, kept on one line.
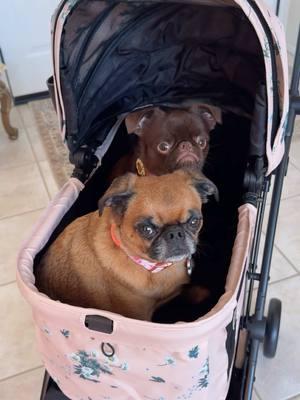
[(110, 347)]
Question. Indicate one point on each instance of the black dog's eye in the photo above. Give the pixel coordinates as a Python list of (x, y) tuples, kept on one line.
[(202, 142), (163, 147)]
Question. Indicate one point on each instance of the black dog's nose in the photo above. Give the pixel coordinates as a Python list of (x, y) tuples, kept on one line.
[(186, 146), (175, 233)]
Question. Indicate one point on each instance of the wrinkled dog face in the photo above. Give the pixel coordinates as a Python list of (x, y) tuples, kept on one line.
[(173, 138), (154, 219), (171, 242)]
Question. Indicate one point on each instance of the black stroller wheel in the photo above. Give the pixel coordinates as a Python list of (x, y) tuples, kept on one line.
[(272, 328)]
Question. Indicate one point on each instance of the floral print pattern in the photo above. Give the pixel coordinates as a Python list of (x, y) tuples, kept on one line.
[(65, 333), (155, 398), (46, 330), (168, 361), (266, 49), (90, 365), (114, 362), (194, 352), (201, 382), (203, 379), (87, 365), (67, 9), (157, 379)]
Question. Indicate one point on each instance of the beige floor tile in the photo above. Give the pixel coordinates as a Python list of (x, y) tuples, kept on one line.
[(297, 126), (288, 230), (23, 387), (291, 185), (280, 267), (48, 178), (36, 143), (255, 396), (279, 378), (14, 153), (12, 232), (22, 190), (291, 182), (17, 341), (295, 151), (15, 117), (27, 116)]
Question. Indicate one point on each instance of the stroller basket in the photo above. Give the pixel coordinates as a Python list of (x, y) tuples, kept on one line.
[(110, 58), (137, 358)]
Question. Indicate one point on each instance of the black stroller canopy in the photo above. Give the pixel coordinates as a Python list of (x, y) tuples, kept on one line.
[(117, 56)]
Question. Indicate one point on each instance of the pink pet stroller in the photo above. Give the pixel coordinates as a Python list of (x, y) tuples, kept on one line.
[(110, 58)]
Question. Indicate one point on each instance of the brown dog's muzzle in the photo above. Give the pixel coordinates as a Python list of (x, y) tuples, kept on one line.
[(173, 242), (175, 235)]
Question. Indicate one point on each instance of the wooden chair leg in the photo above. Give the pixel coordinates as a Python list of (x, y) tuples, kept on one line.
[(6, 102)]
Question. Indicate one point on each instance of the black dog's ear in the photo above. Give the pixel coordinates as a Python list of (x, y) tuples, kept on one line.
[(118, 194), (137, 120), (210, 114), (117, 202), (205, 188)]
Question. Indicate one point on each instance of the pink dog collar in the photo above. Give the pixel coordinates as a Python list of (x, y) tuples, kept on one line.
[(148, 265)]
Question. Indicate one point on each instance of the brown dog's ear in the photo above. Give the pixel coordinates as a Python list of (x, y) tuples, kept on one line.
[(118, 194), (136, 121), (211, 114), (205, 188)]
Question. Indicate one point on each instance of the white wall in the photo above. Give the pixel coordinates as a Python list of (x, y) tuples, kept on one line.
[(289, 14), (25, 43), (292, 25), (272, 4)]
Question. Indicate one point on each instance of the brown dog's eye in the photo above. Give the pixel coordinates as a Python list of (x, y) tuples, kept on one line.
[(194, 222), (163, 147), (147, 231)]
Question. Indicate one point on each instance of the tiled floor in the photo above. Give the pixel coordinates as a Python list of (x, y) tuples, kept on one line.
[(27, 186)]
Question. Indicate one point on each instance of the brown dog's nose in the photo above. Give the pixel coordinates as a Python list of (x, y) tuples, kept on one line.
[(186, 146)]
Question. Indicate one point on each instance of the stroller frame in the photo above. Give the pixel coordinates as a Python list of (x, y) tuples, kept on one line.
[(260, 329), (266, 329), (263, 329)]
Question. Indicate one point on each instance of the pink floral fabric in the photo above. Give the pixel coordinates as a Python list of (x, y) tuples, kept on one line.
[(138, 360)]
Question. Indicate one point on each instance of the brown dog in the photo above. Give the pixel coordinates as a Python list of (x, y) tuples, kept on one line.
[(136, 255), (168, 139)]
